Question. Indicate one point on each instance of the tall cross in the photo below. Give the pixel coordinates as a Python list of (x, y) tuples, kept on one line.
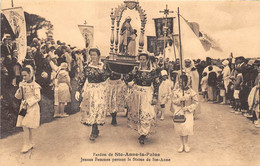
[(166, 12)]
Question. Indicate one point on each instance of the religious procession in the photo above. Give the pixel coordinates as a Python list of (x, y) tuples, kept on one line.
[(176, 84)]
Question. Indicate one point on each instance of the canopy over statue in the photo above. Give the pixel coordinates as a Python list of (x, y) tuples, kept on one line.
[(122, 57)]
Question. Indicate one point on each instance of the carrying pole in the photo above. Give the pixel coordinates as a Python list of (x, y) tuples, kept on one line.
[(258, 99)]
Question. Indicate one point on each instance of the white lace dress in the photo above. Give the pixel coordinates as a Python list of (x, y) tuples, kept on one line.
[(191, 103), (30, 93)]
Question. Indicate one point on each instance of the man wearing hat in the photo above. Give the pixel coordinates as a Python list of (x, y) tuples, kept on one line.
[(29, 58), (35, 43), (7, 54), (6, 49), (51, 51), (43, 72), (241, 63), (60, 51)]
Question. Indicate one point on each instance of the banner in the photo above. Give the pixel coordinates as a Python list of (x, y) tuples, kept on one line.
[(159, 25), (15, 17), (154, 46), (88, 35)]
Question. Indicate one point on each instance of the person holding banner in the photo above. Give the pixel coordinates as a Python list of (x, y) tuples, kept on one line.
[(193, 79), (7, 54), (169, 51), (6, 48), (142, 115), (92, 87), (16, 20)]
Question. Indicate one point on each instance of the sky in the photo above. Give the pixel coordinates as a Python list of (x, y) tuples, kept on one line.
[(234, 25)]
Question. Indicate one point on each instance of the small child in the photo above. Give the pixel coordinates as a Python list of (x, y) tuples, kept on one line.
[(186, 101), (62, 90), (29, 114), (164, 92), (204, 86), (237, 87), (132, 43), (220, 86)]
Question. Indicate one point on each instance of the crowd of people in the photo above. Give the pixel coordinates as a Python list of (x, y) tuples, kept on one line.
[(233, 82), (51, 66), (46, 70), (44, 56)]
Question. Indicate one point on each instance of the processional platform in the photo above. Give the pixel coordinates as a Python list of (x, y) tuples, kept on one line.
[(122, 64)]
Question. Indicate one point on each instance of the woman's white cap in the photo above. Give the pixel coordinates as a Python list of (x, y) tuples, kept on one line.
[(164, 72)]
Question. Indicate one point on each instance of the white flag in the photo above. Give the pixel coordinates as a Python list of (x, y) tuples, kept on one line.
[(191, 45), (15, 17), (88, 34)]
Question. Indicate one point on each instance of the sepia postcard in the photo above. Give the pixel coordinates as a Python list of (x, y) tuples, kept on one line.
[(95, 92)]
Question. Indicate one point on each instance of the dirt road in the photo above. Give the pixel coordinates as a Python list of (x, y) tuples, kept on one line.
[(220, 138)]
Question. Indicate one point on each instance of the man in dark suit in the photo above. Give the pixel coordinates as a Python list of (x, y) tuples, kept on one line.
[(43, 71), (7, 55)]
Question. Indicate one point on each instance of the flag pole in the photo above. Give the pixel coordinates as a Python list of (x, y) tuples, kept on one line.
[(173, 44), (12, 3), (180, 48)]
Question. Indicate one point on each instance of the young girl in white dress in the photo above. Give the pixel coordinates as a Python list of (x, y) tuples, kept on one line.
[(29, 93), (204, 86), (186, 101), (63, 88), (164, 92)]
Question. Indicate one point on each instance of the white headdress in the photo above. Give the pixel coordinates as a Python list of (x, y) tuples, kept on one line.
[(164, 72), (31, 72), (225, 62)]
